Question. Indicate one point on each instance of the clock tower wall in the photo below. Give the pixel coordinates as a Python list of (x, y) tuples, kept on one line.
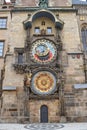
[(53, 110), (44, 37)]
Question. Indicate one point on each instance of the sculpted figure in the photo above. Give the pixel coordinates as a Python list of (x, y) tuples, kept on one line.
[(43, 3), (27, 79)]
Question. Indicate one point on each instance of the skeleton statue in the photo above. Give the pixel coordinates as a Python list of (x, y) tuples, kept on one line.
[(27, 79)]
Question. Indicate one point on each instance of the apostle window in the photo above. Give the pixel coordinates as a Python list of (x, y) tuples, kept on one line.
[(37, 30), (49, 30)]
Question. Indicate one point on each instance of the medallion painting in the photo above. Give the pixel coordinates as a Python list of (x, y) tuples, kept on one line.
[(43, 82)]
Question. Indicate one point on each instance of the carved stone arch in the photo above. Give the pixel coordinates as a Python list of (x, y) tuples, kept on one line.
[(43, 13), (44, 114), (44, 39)]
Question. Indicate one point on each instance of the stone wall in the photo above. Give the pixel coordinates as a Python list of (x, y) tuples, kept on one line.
[(55, 3), (75, 101), (9, 107), (71, 44), (76, 105), (14, 105), (53, 110), (81, 104)]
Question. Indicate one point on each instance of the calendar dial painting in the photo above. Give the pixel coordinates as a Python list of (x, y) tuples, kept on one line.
[(43, 82)]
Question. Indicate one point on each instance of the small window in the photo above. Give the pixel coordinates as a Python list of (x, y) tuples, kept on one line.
[(37, 30), (84, 37), (49, 30), (20, 57), (3, 23), (1, 48)]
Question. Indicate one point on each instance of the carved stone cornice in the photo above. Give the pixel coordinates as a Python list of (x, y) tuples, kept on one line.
[(20, 68), (44, 97), (23, 68)]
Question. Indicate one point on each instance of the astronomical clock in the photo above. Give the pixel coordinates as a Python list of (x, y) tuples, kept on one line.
[(43, 52), (40, 62)]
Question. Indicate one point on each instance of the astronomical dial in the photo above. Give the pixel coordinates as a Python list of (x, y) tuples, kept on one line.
[(43, 51)]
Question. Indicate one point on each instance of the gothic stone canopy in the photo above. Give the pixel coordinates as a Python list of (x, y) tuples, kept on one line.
[(43, 13)]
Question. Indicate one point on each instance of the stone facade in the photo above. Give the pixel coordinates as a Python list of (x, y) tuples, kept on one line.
[(19, 101), (33, 3), (53, 106)]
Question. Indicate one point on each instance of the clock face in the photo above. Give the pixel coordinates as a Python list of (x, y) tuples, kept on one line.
[(43, 82), (43, 51)]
